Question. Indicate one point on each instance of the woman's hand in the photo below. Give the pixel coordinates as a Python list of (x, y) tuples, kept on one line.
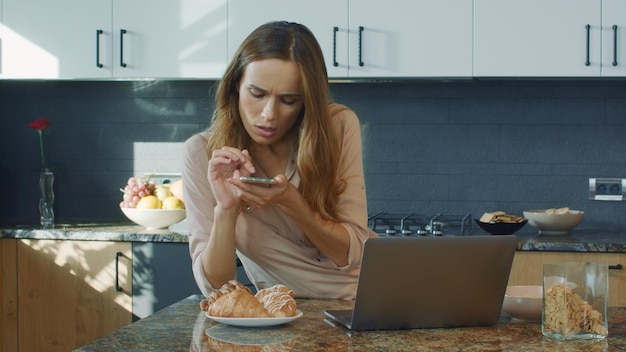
[(259, 195), (226, 164)]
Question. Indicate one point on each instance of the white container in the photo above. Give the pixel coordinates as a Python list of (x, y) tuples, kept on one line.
[(575, 301)]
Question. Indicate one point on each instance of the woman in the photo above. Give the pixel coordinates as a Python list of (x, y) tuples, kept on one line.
[(273, 119)]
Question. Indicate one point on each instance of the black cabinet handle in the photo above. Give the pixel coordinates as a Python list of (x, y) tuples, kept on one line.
[(335, 30), (614, 45), (361, 46), (122, 32), (588, 27), (98, 33), (117, 272), (616, 267)]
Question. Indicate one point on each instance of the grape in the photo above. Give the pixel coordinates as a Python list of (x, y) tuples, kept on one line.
[(135, 189)]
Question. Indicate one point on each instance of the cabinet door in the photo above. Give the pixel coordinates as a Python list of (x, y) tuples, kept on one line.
[(528, 269), (320, 16), (67, 292), (537, 38), (8, 295), (169, 39), (423, 38), (613, 39), (55, 39)]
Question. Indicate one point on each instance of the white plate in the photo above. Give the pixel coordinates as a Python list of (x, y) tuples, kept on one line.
[(255, 322)]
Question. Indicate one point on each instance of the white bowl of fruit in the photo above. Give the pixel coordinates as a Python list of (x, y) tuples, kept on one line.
[(152, 206)]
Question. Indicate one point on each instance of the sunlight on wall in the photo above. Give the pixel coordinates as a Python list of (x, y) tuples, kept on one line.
[(155, 157), (32, 61)]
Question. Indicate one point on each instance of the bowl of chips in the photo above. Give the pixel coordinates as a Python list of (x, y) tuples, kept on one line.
[(523, 303), (500, 223), (554, 221)]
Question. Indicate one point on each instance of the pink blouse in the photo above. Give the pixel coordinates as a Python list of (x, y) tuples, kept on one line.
[(271, 247)]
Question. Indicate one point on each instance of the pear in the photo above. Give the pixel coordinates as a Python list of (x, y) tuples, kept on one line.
[(162, 192)]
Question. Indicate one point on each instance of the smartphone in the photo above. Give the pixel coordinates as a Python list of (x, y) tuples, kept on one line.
[(261, 180)]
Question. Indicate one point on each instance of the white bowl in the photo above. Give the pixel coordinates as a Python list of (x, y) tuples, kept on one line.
[(523, 303), (554, 224), (153, 219)]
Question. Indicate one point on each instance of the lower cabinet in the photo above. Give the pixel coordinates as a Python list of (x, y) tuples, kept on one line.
[(528, 269), (58, 295), (71, 293), (8, 295), (161, 276)]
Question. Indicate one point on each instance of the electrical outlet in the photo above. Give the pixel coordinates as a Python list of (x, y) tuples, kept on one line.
[(607, 189)]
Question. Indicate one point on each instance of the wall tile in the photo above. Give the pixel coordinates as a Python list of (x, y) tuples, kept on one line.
[(456, 147)]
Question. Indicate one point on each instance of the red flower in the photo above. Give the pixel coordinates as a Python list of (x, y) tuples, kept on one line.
[(39, 124)]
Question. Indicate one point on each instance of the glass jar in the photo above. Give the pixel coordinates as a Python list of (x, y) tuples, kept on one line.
[(575, 301)]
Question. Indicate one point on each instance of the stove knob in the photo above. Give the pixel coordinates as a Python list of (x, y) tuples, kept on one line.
[(407, 232)]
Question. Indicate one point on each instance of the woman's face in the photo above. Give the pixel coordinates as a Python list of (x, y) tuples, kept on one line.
[(270, 99)]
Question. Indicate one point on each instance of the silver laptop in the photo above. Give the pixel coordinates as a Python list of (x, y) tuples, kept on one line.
[(430, 282)]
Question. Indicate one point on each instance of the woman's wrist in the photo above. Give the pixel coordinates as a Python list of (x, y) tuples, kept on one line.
[(227, 213)]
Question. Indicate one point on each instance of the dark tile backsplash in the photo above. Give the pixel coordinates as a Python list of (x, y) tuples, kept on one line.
[(455, 147)]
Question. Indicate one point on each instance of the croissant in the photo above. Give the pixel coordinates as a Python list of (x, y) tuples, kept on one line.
[(278, 300), (234, 300), (238, 304)]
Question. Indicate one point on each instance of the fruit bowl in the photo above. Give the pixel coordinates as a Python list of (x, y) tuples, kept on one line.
[(153, 219), (501, 228), (554, 224)]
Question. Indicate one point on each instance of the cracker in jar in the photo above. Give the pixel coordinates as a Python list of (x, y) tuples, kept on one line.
[(568, 313)]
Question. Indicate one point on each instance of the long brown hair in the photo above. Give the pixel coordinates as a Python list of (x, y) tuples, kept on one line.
[(319, 144)]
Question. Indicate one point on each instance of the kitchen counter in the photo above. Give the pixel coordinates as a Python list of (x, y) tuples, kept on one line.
[(182, 327), (118, 232), (529, 240)]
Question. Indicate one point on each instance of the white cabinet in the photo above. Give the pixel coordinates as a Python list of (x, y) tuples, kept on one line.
[(547, 38), (170, 39), (613, 38), (373, 39), (320, 16), (114, 38), (422, 38), (48, 39)]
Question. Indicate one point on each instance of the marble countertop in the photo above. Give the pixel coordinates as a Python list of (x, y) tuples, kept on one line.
[(117, 232), (529, 239), (183, 326)]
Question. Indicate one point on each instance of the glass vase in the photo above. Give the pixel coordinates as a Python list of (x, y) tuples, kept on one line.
[(46, 202)]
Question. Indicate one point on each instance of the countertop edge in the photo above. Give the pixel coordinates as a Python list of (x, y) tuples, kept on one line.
[(582, 241), (106, 233)]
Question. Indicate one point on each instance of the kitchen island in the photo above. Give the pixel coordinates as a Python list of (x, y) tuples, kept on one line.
[(184, 327)]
